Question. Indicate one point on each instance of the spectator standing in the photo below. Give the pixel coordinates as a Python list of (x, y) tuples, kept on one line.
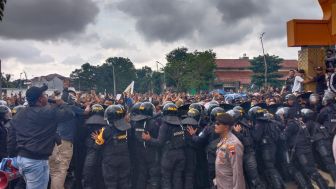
[(35, 130)]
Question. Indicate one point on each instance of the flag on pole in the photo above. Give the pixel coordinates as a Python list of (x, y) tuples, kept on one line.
[(129, 89)]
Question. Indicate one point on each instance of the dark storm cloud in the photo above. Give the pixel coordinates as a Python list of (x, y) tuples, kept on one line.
[(194, 20), (47, 19), (275, 23), (235, 10), (165, 20)]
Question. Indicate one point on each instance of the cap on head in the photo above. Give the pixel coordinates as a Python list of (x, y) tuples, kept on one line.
[(33, 94)]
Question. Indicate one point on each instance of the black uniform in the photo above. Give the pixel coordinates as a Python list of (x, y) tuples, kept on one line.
[(147, 155), (322, 145), (327, 117), (3, 142), (115, 162), (266, 134), (191, 152), (290, 171), (249, 158), (92, 169), (299, 141), (209, 139), (171, 138)]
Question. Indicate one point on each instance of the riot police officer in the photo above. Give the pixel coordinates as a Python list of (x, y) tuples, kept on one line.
[(315, 103), (287, 163), (266, 134), (113, 139), (5, 116), (321, 141), (92, 178), (298, 138), (191, 123), (210, 139), (172, 140), (243, 132), (327, 115), (148, 159)]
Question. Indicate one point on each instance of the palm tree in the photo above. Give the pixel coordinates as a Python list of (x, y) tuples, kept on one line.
[(2, 8)]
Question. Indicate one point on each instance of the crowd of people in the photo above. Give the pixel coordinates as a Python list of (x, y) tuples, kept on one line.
[(174, 140)]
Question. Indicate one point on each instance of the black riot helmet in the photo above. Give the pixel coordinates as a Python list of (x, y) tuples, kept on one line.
[(328, 98), (194, 113), (290, 97), (170, 109), (167, 102), (216, 112), (147, 109), (268, 116), (114, 112), (239, 109), (255, 113), (5, 113), (196, 106), (314, 99), (282, 114), (307, 115), (211, 107), (235, 114), (97, 109), (135, 109), (17, 109), (114, 115)]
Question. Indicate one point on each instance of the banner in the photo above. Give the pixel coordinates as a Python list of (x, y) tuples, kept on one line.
[(129, 89)]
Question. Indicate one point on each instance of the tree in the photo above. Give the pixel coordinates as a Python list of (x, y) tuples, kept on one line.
[(200, 74), (2, 8), (124, 74), (258, 68), (186, 71), (144, 80), (157, 81), (175, 68), (85, 77)]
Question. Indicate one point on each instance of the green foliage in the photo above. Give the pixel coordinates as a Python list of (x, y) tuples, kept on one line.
[(183, 71), (273, 66), (186, 71), (124, 74), (143, 80), (2, 8), (84, 78), (148, 80)]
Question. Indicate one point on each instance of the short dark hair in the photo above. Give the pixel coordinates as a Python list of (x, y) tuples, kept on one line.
[(225, 119), (156, 103), (301, 71)]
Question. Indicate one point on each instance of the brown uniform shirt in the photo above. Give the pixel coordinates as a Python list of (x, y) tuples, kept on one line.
[(229, 164)]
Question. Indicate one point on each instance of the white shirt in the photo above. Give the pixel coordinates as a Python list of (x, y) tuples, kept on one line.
[(298, 84)]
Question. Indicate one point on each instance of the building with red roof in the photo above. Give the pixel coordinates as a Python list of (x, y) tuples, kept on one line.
[(235, 73)]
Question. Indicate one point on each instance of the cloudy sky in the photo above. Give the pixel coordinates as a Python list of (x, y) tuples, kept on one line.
[(57, 36)]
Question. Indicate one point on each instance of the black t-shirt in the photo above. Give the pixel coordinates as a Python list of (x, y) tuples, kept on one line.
[(289, 83), (321, 84), (330, 63)]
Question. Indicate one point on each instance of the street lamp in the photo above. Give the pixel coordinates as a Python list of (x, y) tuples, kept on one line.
[(262, 45), (164, 75), (114, 84)]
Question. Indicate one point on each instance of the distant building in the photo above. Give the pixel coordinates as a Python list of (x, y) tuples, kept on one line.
[(53, 81), (236, 73)]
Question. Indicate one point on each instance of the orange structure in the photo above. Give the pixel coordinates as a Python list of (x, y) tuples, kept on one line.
[(314, 37), (314, 32)]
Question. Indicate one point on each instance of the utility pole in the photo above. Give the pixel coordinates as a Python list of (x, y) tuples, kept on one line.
[(164, 75), (265, 63), (114, 84)]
